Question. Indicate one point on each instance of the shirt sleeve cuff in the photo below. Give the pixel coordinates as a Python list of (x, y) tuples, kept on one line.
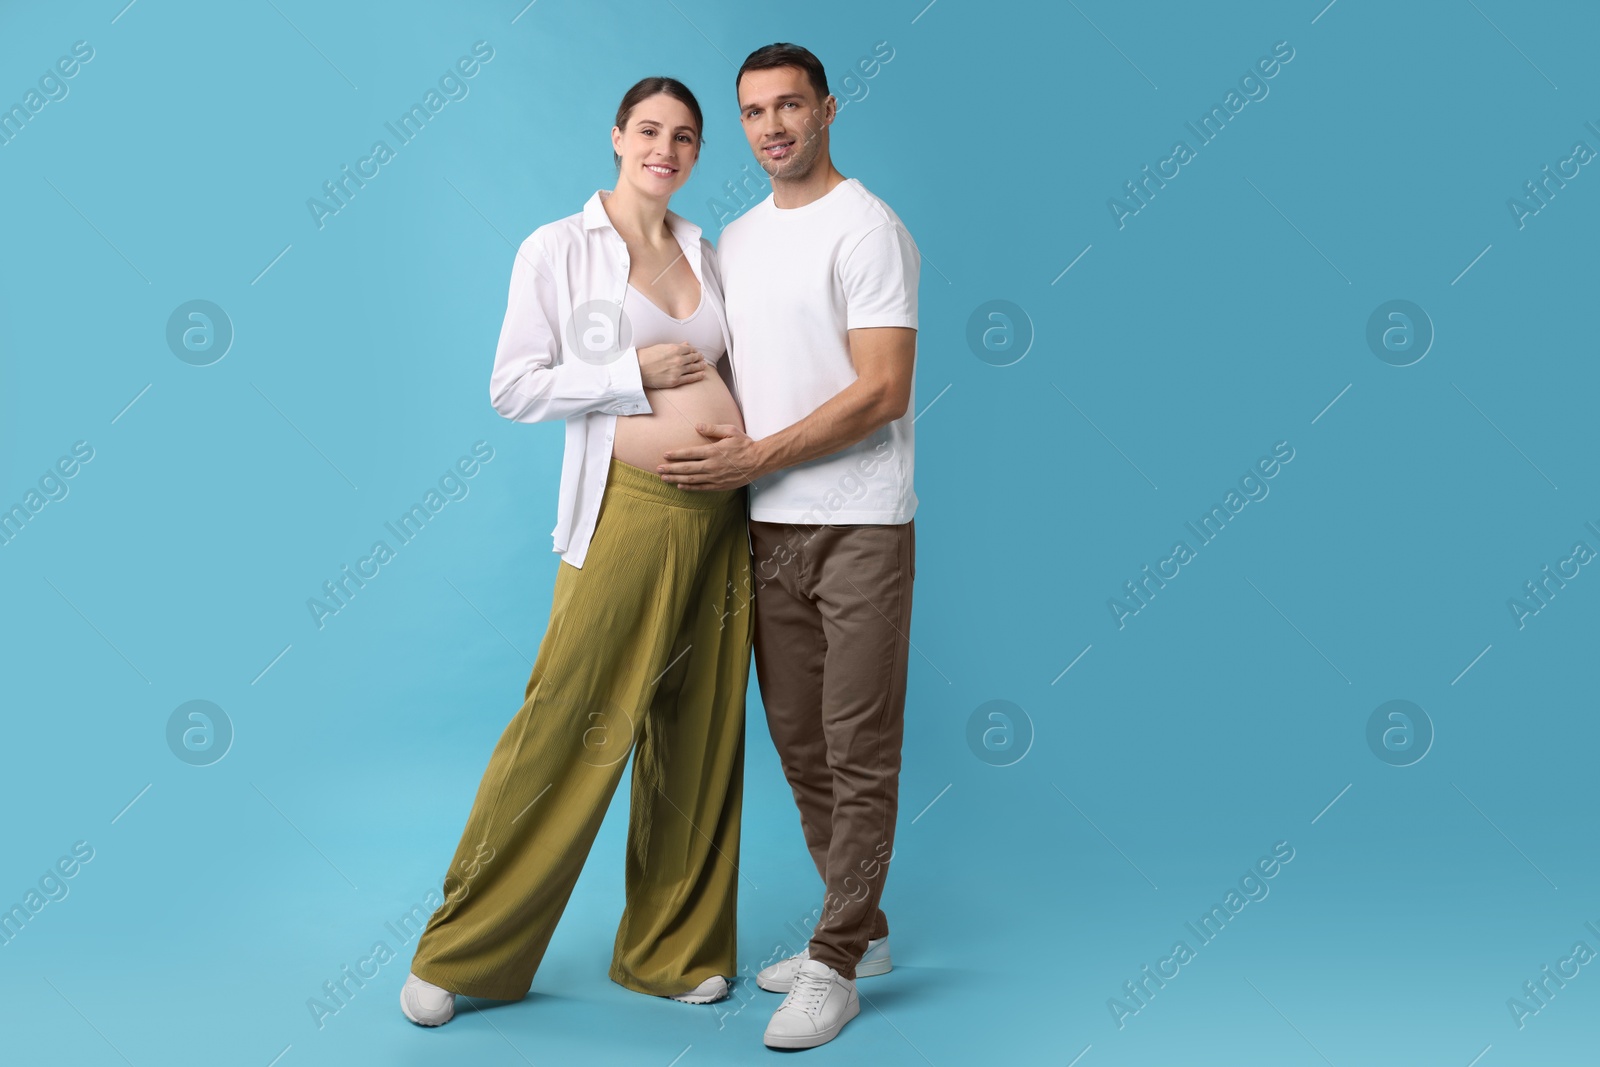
[(873, 321), (627, 384)]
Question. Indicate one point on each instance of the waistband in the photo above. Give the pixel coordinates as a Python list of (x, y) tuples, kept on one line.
[(647, 485)]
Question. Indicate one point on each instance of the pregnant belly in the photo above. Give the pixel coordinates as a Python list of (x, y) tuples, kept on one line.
[(641, 439)]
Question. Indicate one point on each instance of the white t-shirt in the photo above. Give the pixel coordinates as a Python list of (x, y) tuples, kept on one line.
[(795, 281)]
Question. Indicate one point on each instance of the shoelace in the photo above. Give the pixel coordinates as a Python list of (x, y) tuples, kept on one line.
[(808, 993)]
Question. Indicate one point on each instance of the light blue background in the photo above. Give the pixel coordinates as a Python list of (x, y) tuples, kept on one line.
[(1224, 317)]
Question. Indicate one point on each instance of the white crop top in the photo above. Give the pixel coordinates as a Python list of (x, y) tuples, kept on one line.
[(652, 326)]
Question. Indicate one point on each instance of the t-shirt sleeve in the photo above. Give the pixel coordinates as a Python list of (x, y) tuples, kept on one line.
[(880, 279)]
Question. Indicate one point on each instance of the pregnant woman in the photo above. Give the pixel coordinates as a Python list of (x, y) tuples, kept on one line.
[(615, 325)]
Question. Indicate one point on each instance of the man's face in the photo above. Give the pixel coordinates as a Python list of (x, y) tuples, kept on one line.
[(784, 121)]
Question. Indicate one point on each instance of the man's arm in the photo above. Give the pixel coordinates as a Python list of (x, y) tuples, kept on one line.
[(884, 359)]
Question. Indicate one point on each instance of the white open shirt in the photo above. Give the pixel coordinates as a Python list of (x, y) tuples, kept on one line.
[(560, 267)]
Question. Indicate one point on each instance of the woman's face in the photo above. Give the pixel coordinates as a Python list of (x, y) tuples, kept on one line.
[(658, 147)]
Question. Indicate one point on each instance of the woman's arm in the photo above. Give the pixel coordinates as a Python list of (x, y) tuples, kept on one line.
[(528, 384)]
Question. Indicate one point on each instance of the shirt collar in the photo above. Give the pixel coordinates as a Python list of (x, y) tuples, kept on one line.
[(595, 217)]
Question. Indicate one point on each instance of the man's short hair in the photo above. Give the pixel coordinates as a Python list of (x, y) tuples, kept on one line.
[(783, 54)]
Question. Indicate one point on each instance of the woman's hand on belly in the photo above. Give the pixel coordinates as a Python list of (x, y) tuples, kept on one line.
[(670, 366)]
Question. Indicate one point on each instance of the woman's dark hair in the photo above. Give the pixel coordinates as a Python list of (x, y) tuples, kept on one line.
[(645, 88), (783, 54)]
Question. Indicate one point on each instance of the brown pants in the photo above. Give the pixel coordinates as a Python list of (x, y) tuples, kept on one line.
[(832, 636)]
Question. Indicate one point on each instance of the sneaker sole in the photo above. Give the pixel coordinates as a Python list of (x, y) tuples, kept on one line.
[(813, 1040), (863, 970), (685, 998), (405, 1009)]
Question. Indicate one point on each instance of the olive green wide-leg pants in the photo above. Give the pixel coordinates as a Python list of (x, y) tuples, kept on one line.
[(648, 645)]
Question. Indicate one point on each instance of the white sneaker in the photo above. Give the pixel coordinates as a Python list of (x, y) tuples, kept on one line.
[(425, 1003), (778, 977), (817, 1007), (710, 991)]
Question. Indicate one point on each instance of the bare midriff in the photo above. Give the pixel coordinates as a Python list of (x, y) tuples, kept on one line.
[(641, 439)]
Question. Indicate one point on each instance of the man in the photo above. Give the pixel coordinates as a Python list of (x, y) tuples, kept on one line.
[(820, 281)]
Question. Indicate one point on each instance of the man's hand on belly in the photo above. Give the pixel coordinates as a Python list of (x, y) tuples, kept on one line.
[(734, 459)]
